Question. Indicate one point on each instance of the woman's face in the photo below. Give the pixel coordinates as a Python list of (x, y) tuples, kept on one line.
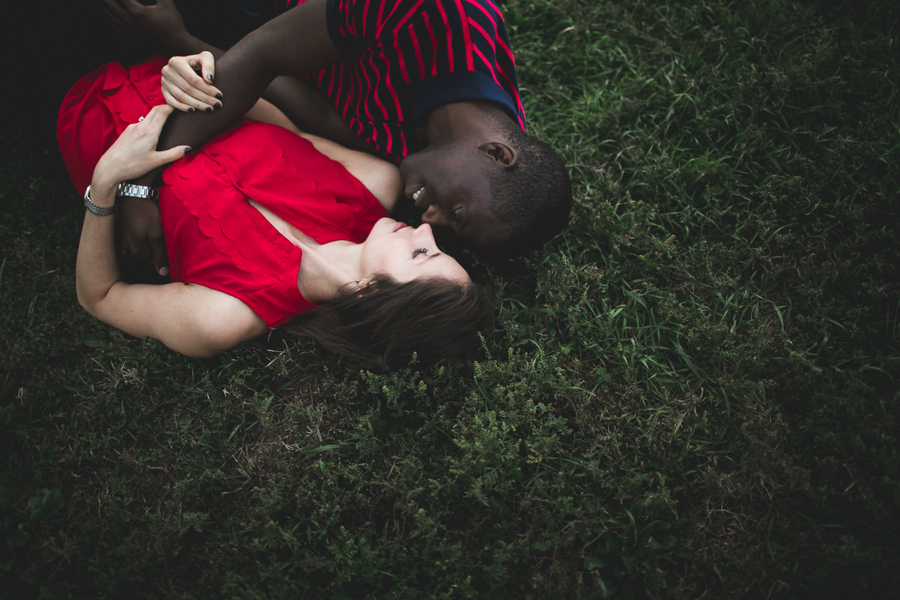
[(406, 253)]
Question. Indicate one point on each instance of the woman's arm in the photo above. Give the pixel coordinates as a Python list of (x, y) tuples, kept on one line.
[(133, 154), (190, 319)]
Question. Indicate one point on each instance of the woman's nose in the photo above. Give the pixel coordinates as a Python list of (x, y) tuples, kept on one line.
[(424, 230)]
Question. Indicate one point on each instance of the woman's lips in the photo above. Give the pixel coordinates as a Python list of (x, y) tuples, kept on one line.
[(399, 226)]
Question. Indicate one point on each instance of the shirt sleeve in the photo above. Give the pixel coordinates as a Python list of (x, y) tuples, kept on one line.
[(445, 50)]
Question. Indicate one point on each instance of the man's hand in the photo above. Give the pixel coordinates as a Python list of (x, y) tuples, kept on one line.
[(187, 91), (142, 232), (160, 22), (133, 155)]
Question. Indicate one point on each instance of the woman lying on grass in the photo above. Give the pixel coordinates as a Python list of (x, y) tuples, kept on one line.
[(239, 215)]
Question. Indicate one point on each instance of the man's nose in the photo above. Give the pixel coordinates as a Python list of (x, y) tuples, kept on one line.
[(434, 216)]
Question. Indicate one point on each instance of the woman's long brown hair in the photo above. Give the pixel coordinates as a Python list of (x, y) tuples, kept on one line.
[(386, 322)]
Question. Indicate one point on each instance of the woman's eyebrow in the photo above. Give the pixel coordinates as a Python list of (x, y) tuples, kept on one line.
[(425, 262)]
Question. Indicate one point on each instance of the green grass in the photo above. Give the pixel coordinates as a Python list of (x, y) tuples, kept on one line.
[(690, 393)]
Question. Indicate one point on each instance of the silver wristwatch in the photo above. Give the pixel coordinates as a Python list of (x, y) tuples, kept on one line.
[(130, 190), (100, 211)]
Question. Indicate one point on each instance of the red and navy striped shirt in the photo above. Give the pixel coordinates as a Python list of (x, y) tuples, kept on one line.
[(402, 58)]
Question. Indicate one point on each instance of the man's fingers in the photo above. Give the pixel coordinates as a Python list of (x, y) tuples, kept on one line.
[(160, 257), (120, 28), (156, 241), (133, 242), (117, 22), (142, 234), (114, 10), (122, 13)]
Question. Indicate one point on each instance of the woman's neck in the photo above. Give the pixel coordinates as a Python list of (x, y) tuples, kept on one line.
[(326, 269)]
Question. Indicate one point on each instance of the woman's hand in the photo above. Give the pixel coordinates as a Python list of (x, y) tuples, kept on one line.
[(134, 153), (187, 91)]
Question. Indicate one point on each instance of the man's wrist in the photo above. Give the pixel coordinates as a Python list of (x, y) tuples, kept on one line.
[(182, 43), (132, 190)]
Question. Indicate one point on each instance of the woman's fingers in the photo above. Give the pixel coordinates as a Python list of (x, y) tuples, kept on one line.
[(171, 155), (184, 88), (207, 65), (175, 103), (134, 153), (154, 122), (156, 118), (181, 97)]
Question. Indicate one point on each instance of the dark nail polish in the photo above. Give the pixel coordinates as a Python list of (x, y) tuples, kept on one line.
[(190, 109), (208, 109), (219, 96), (188, 150), (218, 105)]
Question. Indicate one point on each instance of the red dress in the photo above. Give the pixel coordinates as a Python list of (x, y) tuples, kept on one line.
[(214, 236)]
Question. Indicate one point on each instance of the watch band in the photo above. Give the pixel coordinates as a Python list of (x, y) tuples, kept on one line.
[(130, 190), (100, 211)]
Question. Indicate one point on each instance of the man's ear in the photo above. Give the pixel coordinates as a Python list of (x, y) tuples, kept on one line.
[(502, 153)]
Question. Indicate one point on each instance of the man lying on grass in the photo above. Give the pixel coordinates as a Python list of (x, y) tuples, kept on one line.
[(431, 85)]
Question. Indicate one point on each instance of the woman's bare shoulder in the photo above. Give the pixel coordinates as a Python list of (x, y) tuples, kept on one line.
[(191, 319)]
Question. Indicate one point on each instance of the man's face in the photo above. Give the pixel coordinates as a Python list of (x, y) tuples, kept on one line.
[(451, 183)]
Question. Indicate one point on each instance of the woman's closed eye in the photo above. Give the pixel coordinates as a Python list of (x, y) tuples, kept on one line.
[(420, 251)]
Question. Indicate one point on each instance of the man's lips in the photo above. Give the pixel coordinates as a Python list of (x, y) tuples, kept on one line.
[(415, 193)]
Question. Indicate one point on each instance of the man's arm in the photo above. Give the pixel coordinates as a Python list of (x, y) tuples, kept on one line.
[(163, 24), (293, 43)]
